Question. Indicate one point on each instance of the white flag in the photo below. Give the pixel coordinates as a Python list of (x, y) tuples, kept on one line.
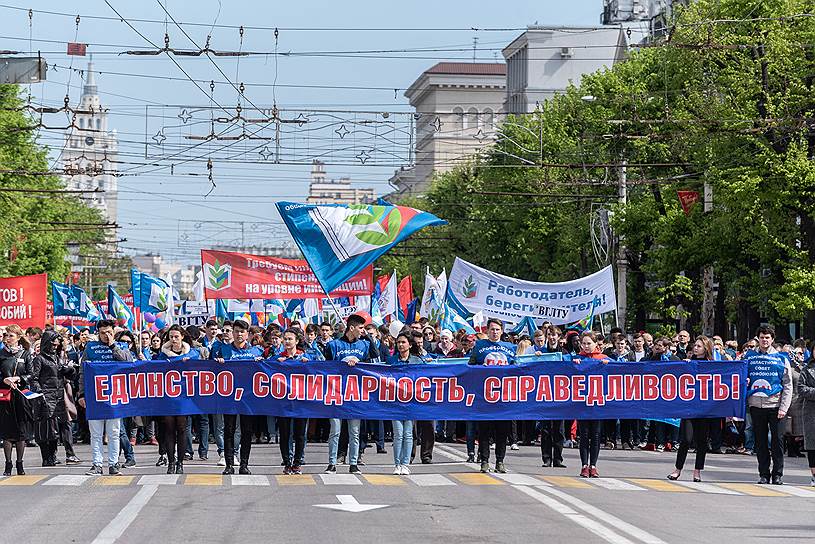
[(433, 296), (198, 287), (388, 298)]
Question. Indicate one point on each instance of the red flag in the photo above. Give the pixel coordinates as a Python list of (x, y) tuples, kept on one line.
[(405, 292), (77, 49), (688, 199), (382, 281)]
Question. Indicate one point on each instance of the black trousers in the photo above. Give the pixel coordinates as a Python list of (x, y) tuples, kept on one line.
[(589, 431), (175, 437), (67, 435), (766, 419), (696, 432), (287, 425), (552, 441), (499, 430), (247, 429), (424, 432), (811, 458)]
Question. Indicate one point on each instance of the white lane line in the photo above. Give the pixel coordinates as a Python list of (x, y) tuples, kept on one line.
[(708, 488), (340, 479), (429, 480), (520, 479), (450, 453), (602, 515), (587, 523), (249, 479), (125, 517), (68, 479), (615, 484)]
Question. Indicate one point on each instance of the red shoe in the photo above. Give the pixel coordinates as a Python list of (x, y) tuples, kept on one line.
[(153, 442), (132, 441), (593, 473), (584, 472)]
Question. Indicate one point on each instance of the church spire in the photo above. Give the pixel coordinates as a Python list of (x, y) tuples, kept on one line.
[(90, 87)]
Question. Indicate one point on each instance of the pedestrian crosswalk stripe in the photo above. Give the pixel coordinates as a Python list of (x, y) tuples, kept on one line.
[(520, 479), (159, 479), (27, 479), (708, 488), (384, 479), (566, 481), (660, 485), (204, 479), (476, 478), (249, 479), (68, 479), (430, 480), (113, 480), (795, 491), (752, 489), (340, 479), (615, 484), (295, 479)]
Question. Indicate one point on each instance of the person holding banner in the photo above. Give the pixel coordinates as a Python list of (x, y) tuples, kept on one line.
[(493, 352), (769, 395), (351, 348), (695, 430), (552, 431), (175, 427), (589, 429), (237, 350), (407, 353), (106, 350), (16, 369), (292, 340)]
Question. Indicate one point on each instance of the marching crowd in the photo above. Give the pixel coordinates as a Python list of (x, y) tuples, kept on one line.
[(41, 397)]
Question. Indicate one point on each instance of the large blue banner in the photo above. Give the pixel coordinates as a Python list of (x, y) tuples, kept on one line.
[(528, 391)]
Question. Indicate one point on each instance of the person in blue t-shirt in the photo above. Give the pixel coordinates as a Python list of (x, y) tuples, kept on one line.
[(238, 350), (354, 347), (493, 352)]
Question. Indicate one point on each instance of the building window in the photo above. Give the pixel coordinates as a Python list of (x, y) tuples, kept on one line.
[(98, 124), (458, 118), (489, 119), (472, 118)]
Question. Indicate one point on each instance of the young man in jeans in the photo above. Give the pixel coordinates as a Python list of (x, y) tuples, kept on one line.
[(769, 395), (106, 350)]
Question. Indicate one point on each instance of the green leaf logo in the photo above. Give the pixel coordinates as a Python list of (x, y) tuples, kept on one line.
[(386, 222), (469, 289), (218, 275)]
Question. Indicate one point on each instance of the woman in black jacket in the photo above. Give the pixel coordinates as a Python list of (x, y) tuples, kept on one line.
[(50, 371), (16, 423)]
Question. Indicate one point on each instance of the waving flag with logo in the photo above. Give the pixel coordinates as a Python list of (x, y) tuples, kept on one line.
[(72, 301), (452, 320), (340, 240), (155, 295), (120, 311)]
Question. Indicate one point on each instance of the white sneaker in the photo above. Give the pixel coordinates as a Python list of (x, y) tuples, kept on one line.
[(397, 470), (812, 481), (514, 447), (236, 461), (405, 470), (221, 461)]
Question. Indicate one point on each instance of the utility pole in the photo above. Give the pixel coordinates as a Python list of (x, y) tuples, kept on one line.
[(622, 260), (707, 276)]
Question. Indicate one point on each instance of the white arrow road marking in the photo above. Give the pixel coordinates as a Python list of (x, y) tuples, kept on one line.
[(349, 504), (125, 517)]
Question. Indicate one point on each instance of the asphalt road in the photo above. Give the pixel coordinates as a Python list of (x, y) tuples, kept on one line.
[(448, 501)]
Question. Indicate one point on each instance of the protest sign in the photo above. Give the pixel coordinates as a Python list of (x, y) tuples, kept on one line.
[(22, 300)]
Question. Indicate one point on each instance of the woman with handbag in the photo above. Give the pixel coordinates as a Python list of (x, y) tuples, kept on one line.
[(16, 421), (49, 374)]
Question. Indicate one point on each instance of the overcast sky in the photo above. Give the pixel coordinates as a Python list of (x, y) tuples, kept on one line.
[(168, 212)]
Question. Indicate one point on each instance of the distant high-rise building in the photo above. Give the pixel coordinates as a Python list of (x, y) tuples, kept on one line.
[(321, 190), (90, 152), (457, 111)]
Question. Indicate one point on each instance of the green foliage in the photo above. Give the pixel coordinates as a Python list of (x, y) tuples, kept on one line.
[(33, 231)]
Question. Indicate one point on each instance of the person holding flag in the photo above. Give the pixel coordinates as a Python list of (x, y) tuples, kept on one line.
[(493, 352), (238, 350)]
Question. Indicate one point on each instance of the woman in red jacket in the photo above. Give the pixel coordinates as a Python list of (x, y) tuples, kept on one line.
[(589, 429)]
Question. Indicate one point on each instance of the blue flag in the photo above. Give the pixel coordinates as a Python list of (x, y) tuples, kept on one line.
[(72, 301), (119, 311), (154, 294), (410, 317), (453, 321), (340, 240), (526, 326)]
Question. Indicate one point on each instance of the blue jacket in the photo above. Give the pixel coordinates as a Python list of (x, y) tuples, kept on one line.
[(342, 348), (486, 352)]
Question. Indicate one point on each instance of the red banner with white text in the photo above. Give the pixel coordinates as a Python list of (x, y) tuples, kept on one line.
[(232, 275), (22, 300)]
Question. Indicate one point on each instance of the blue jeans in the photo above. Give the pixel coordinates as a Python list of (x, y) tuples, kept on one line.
[(218, 432), (402, 441), (334, 440), (98, 428), (124, 443), (203, 434), (470, 435), (749, 435)]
